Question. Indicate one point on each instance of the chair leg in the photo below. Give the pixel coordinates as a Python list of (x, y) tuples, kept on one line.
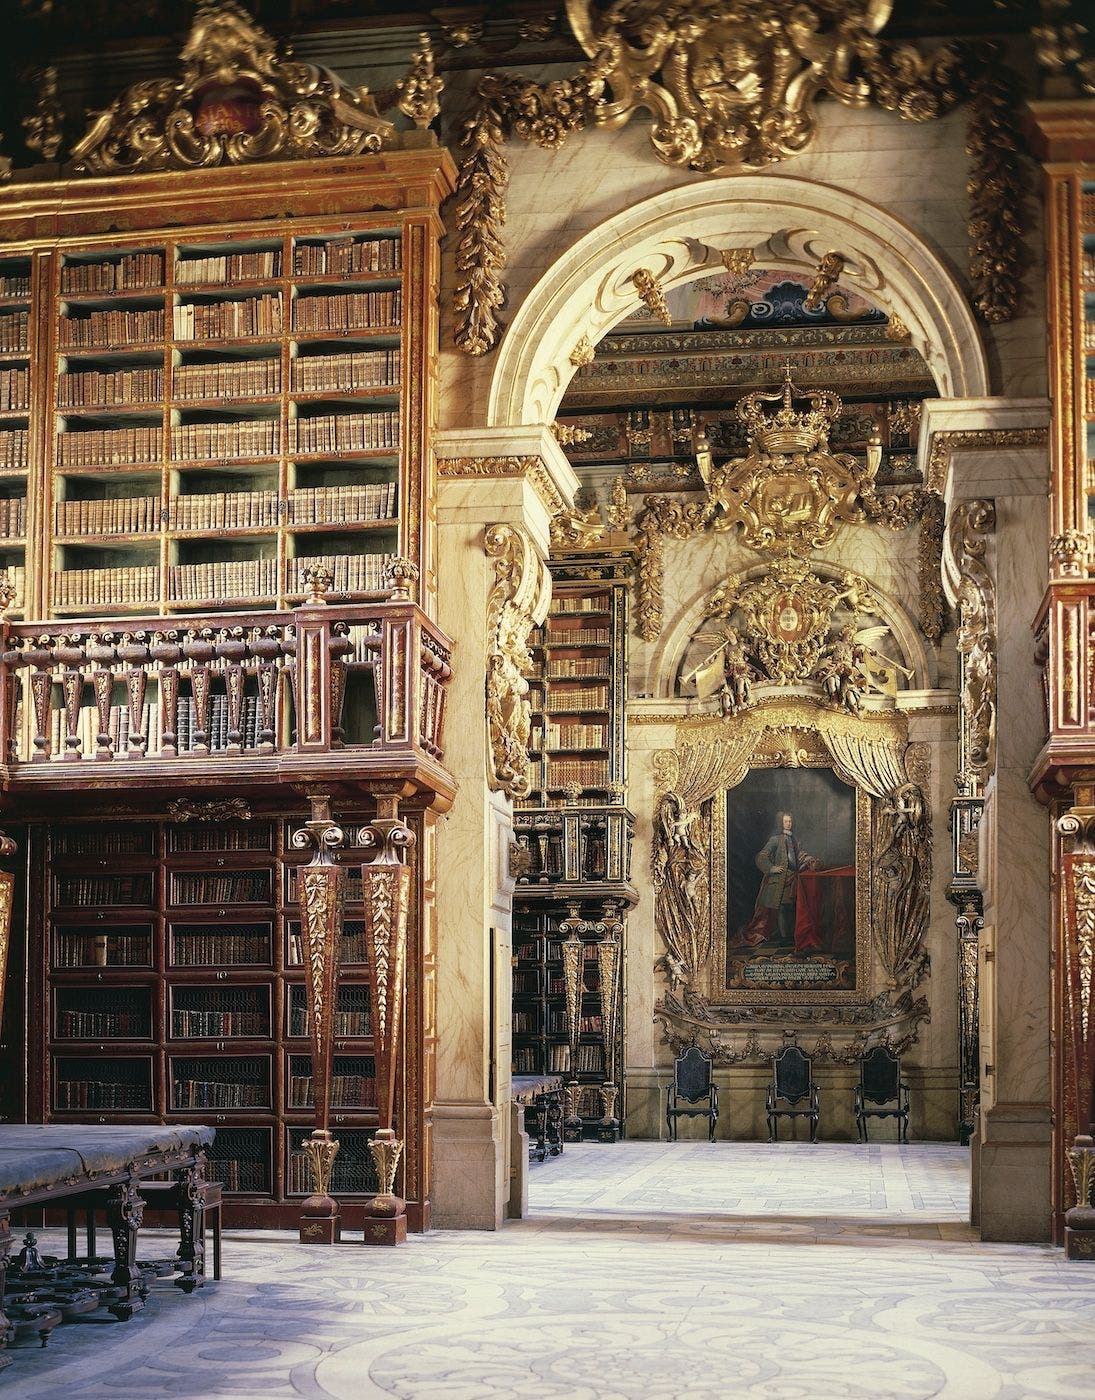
[(70, 1220), (771, 1129), (215, 1222)]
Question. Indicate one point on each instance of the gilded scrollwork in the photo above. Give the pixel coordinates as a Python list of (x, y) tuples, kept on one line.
[(234, 101), (972, 526), (518, 601)]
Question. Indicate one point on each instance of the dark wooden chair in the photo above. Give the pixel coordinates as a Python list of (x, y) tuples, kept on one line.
[(693, 1093), (881, 1092), (792, 1085)]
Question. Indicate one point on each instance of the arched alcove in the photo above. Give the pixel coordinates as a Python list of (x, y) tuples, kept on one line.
[(679, 236)]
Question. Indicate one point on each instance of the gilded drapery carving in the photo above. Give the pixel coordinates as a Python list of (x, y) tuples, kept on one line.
[(518, 601), (972, 526)]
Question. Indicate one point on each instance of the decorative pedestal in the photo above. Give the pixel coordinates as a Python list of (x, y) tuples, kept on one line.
[(391, 1229), (320, 1222), (572, 1124), (608, 1129)]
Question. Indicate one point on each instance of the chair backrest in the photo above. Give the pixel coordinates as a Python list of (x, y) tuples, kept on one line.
[(692, 1074), (792, 1074), (880, 1074)]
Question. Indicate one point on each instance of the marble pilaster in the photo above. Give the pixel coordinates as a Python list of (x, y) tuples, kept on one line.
[(516, 478)]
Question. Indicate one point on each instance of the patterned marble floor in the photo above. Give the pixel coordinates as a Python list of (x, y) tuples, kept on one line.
[(655, 1271)]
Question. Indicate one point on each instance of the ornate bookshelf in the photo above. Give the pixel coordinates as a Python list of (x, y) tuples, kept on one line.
[(576, 834), (170, 966), (17, 331)]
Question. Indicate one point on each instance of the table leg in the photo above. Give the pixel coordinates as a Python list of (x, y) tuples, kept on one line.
[(125, 1212), (190, 1195)]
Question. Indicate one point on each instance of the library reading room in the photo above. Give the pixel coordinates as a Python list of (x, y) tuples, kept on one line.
[(700, 393)]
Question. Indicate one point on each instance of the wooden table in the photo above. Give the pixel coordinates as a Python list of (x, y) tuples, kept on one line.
[(47, 1163)]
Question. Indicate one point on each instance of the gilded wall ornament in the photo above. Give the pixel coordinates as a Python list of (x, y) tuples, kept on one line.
[(234, 101), (43, 127), (651, 294), (518, 601), (972, 525), (791, 627), (420, 91)]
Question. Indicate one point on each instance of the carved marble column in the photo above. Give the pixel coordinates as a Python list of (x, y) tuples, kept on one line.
[(386, 891), (490, 586), (320, 888)]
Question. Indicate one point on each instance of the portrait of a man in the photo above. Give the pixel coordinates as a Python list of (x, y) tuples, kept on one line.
[(790, 880)]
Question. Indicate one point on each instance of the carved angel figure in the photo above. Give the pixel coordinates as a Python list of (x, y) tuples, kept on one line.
[(843, 672), (736, 692)]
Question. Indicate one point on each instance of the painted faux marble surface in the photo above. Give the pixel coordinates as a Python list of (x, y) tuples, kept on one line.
[(649, 1270)]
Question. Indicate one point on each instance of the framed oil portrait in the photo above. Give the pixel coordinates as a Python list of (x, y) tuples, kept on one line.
[(791, 886)]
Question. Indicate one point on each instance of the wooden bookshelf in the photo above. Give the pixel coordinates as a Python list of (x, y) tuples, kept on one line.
[(16, 345), (171, 972)]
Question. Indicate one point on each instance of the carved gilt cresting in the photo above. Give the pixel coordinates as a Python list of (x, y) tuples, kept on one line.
[(734, 86), (518, 601), (320, 893), (894, 850), (386, 890), (236, 100)]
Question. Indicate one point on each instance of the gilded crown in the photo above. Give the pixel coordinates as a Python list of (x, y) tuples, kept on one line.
[(789, 431)]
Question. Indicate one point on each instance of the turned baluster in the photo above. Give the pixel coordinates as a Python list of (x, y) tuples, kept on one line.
[(10, 659), (199, 649), (340, 648), (68, 651), (232, 648), (133, 650), (289, 646), (166, 652), (100, 653), (265, 646), (38, 654)]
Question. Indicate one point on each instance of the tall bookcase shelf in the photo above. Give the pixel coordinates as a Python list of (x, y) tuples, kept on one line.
[(172, 974), (224, 403), (577, 835)]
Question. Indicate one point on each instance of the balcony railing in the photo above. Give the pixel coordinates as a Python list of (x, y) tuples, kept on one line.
[(1065, 647), (571, 847), (349, 690)]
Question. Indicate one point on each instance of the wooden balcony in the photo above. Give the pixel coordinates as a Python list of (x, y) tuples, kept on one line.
[(345, 696), (1065, 647), (576, 853)]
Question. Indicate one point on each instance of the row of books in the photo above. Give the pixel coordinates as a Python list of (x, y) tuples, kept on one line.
[(348, 255), (99, 1093), (85, 1025), (562, 668), (587, 1025), (108, 330), (14, 390), (101, 950), (93, 388), (233, 510), (229, 267), (215, 1093), (90, 588), (248, 438), (347, 1091), (230, 578), (99, 446), (526, 1059), (1089, 391), (352, 949), (361, 369), (206, 1025), (100, 891), (16, 575), (346, 1023), (345, 432), (149, 736), (14, 284), (240, 379), (351, 1174), (334, 505), (190, 887), (591, 1059), (216, 948), (577, 637), (576, 736), (123, 515), (15, 332), (584, 697), (583, 772), (235, 1174), (1087, 264), (1089, 335), (348, 311), (352, 573), (580, 603), (13, 516), (13, 448), (226, 320), (132, 270), (559, 1058)]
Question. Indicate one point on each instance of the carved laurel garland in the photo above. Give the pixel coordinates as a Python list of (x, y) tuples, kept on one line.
[(972, 526), (518, 601), (733, 86)]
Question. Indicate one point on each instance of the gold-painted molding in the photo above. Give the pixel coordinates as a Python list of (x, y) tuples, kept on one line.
[(946, 442), (972, 525), (502, 467)]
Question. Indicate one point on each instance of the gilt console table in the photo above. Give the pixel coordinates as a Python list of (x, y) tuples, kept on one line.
[(48, 1163)]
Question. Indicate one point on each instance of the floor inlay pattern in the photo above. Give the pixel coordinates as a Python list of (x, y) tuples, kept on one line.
[(643, 1271)]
